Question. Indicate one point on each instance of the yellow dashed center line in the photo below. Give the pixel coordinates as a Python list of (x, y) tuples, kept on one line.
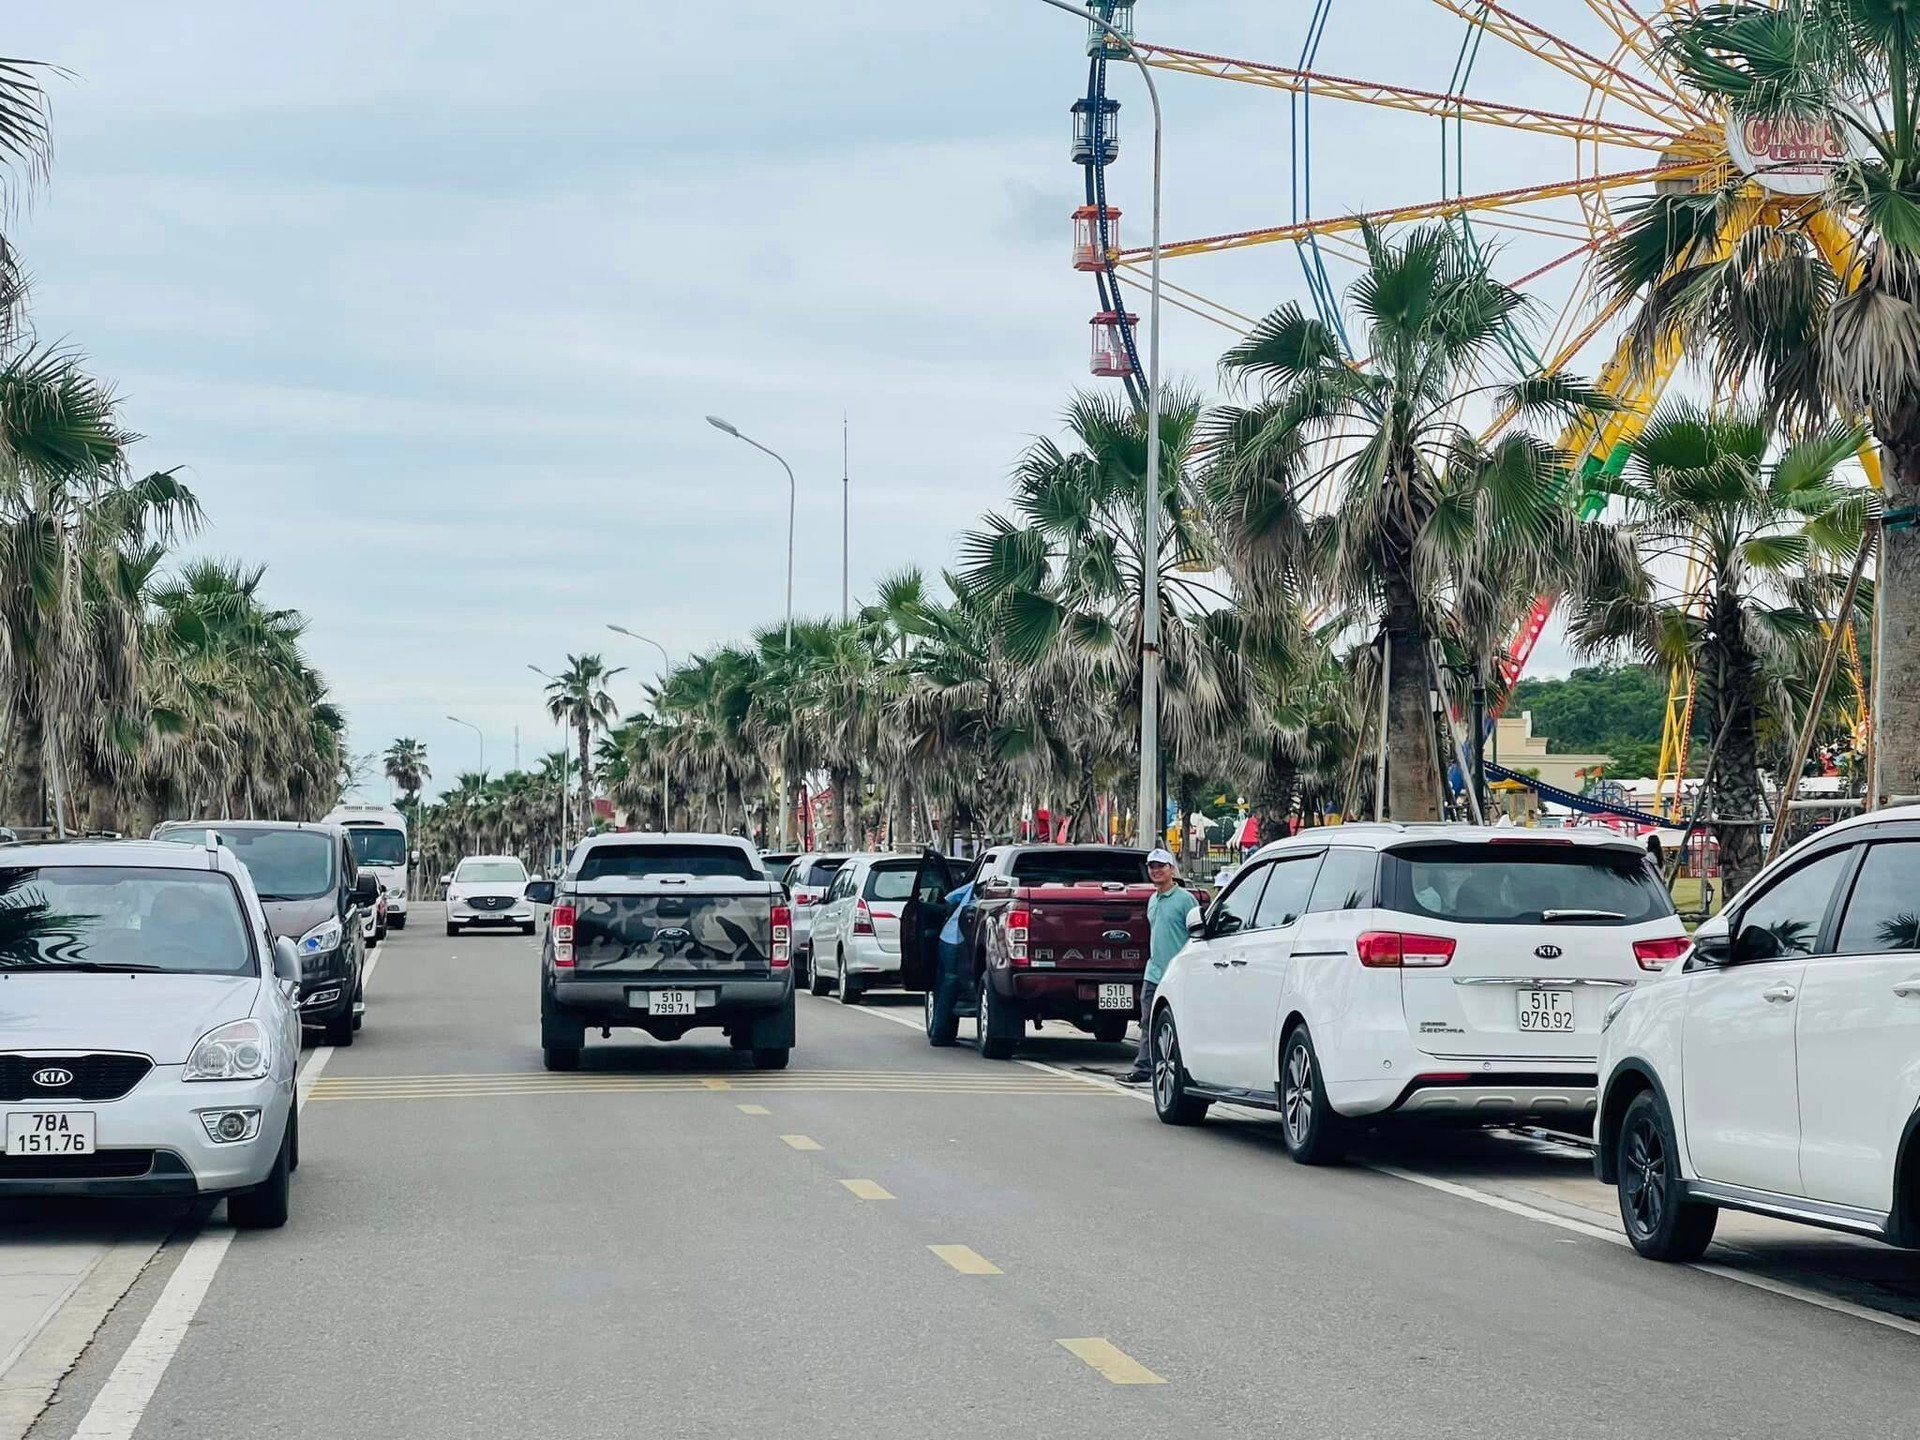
[(754, 1110), (801, 1142), (1112, 1363), (965, 1259), (714, 1082), (868, 1190)]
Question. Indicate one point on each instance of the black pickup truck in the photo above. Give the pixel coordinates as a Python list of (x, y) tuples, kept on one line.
[(666, 934)]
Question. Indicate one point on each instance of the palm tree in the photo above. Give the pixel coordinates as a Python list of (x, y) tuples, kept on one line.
[(1810, 317), (1701, 489), (578, 697), (1424, 532), (406, 766)]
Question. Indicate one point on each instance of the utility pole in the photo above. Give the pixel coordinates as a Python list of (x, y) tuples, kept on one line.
[(846, 524)]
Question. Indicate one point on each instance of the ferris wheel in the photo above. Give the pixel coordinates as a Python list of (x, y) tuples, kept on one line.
[(1552, 122)]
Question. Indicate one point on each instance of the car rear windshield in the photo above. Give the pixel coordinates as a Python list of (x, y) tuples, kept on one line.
[(637, 862), (377, 845), (483, 872), (284, 864), (891, 882), (1080, 867), (821, 872), (1523, 884), (112, 917)]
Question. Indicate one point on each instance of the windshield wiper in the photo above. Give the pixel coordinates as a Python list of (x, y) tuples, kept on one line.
[(1551, 917), (92, 966)]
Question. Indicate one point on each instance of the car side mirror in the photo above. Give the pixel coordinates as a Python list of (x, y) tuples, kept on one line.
[(1197, 925), (366, 889), (286, 960), (998, 887), (540, 892), (1715, 950)]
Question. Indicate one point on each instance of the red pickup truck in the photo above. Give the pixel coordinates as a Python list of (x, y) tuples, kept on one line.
[(1051, 932)]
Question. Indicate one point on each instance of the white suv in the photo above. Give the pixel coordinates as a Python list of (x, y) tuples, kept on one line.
[(1778, 1070), (1434, 971), (807, 879), (856, 926)]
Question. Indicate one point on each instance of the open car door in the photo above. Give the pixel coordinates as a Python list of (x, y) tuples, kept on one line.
[(925, 913)]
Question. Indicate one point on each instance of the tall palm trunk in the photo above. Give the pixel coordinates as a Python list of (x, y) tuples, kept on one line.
[(26, 763), (1413, 782), (584, 728), (1273, 796), (1731, 677), (1896, 653)]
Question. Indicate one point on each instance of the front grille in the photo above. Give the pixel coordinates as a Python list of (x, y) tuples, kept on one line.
[(101, 1165), (94, 1077), (491, 902)]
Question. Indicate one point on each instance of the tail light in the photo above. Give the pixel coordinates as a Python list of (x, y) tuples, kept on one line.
[(563, 937), (1018, 922), (1660, 953), (802, 898), (862, 918), (1393, 950), (782, 937)]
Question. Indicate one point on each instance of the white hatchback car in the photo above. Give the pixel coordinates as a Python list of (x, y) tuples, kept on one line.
[(1778, 1069), (149, 1028), (856, 926), (489, 890), (1446, 972)]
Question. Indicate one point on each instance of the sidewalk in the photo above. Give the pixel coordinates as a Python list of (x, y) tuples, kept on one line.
[(36, 1277)]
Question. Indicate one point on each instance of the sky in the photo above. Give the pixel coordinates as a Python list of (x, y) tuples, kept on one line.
[(429, 300)]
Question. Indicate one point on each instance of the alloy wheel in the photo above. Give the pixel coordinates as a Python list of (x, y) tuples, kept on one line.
[(1296, 1093), (1166, 1064), (1643, 1174)]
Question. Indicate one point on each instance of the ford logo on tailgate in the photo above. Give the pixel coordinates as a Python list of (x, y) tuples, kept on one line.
[(1547, 952), (676, 935), (1115, 935), (53, 1077)]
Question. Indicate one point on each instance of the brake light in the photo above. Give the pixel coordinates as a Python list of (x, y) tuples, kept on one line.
[(800, 897), (1393, 950), (862, 918), (1660, 953), (782, 937), (563, 937), (1018, 922)]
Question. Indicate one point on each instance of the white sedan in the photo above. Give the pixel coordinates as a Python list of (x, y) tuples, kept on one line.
[(150, 1029)]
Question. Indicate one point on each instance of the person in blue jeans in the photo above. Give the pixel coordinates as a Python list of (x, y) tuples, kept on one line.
[(1167, 911), (950, 932)]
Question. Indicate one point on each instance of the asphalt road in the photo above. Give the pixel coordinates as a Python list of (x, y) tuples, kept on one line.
[(895, 1241)]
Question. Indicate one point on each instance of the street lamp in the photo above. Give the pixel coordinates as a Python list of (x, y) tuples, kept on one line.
[(1122, 43), (666, 664), (793, 500), (478, 735)]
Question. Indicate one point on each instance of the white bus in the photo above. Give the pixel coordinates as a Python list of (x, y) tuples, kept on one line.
[(379, 837)]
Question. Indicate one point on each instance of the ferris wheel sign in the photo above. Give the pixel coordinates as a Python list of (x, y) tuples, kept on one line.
[(1789, 155)]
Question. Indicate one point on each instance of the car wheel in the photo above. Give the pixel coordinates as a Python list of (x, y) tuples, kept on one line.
[(817, 984), (529, 928), (1111, 1030), (379, 933), (849, 987), (339, 1030), (452, 929), (1172, 1101), (396, 922), (992, 1037), (559, 1057), (265, 1206), (943, 1025), (1308, 1123), (802, 966), (772, 1058), (1661, 1222), (293, 1159)]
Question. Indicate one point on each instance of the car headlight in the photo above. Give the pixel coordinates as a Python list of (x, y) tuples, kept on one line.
[(238, 1050), (321, 938), (1614, 1009)]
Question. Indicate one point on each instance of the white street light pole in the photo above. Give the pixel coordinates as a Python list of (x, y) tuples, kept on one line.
[(1150, 511), (666, 664), (479, 735), (793, 501)]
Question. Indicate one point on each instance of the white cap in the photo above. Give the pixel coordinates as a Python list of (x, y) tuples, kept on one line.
[(1160, 857)]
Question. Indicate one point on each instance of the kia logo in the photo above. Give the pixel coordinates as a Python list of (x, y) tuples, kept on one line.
[(1115, 935), (1547, 952), (53, 1077)]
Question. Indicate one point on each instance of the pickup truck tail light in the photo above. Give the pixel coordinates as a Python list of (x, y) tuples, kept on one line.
[(1660, 953), (782, 937), (1018, 922), (862, 918), (1394, 950), (801, 897), (563, 937)]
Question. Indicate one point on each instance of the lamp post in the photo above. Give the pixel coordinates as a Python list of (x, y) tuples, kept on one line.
[(666, 664), (566, 768), (1150, 517), (793, 501), (479, 735)]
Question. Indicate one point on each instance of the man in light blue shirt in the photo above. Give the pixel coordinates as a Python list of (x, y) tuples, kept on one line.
[(950, 932), (1168, 909)]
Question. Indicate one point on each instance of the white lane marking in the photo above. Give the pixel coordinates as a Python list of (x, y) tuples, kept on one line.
[(1783, 1288), (116, 1411)]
